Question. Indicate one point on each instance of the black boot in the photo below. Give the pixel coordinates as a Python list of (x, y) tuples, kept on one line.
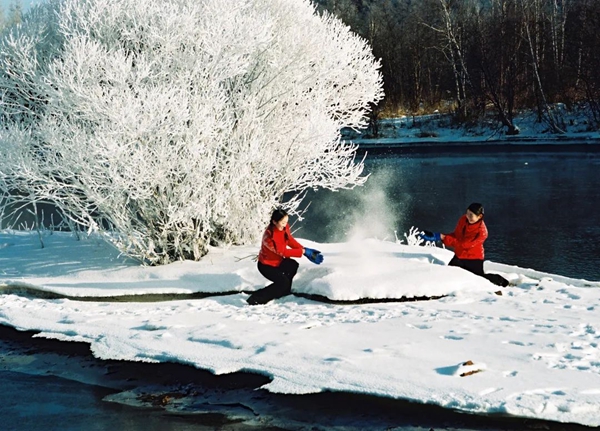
[(497, 279)]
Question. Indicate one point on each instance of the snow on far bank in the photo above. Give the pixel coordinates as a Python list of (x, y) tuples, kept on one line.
[(534, 350), (438, 129)]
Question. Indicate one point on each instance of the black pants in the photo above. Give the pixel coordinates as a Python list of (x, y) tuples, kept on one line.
[(476, 267), (281, 276)]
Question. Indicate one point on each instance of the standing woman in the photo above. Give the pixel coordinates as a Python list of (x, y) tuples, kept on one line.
[(275, 261), (467, 241)]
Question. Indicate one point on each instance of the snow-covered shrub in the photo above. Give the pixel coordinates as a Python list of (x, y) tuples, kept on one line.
[(173, 124), (413, 237)]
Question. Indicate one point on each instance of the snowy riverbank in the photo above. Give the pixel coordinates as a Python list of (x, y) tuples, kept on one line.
[(533, 347), (437, 130)]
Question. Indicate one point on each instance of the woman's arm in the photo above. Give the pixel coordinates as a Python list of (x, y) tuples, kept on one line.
[(278, 245), (450, 239), (292, 243)]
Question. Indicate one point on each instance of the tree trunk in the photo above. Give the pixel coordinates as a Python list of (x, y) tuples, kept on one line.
[(545, 111)]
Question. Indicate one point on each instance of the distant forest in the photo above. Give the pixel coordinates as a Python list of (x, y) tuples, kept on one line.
[(470, 57)]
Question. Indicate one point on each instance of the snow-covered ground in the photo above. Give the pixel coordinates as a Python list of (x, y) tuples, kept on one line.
[(531, 349), (438, 128)]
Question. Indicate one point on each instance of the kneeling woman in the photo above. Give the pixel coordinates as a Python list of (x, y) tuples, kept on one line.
[(275, 261), (467, 241)]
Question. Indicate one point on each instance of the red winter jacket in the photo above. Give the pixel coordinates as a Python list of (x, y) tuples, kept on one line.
[(467, 239), (274, 247)]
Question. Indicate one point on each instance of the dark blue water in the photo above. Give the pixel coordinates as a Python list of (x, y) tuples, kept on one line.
[(51, 403), (542, 208)]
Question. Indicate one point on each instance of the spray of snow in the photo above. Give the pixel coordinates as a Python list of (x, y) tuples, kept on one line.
[(374, 216)]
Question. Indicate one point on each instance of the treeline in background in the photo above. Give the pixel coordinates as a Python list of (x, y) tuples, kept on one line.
[(472, 57)]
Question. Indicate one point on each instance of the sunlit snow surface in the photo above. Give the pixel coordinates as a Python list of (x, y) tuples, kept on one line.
[(533, 349)]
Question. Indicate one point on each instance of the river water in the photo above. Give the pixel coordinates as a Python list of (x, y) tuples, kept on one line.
[(542, 206), (541, 211)]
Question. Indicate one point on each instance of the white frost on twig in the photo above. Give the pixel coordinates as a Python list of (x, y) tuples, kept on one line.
[(172, 125)]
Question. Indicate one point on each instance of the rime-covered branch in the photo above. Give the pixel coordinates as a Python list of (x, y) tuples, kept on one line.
[(172, 125)]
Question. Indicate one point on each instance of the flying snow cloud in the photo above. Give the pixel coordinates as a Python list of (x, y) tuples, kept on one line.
[(374, 216), (367, 211)]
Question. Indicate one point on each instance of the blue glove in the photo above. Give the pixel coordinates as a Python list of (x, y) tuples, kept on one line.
[(430, 236), (313, 255)]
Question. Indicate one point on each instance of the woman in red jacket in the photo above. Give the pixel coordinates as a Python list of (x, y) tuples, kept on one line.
[(275, 261), (467, 241)]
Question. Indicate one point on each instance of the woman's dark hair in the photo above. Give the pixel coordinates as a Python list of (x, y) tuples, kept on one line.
[(278, 214), (476, 208)]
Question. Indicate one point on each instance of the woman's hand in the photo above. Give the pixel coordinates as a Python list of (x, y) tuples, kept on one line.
[(313, 255)]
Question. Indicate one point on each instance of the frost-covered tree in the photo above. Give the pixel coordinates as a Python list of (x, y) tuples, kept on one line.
[(169, 125)]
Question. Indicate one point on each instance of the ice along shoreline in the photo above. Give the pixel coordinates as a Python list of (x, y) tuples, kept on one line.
[(235, 399)]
